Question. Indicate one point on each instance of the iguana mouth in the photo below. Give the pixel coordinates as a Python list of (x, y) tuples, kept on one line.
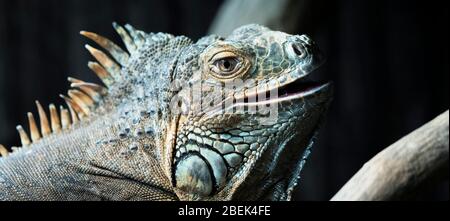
[(298, 89)]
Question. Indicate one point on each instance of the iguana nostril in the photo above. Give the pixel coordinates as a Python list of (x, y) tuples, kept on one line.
[(298, 50)]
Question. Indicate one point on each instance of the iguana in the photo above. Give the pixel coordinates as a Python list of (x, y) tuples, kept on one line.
[(166, 125)]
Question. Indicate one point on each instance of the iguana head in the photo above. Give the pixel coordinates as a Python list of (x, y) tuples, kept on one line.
[(246, 114)]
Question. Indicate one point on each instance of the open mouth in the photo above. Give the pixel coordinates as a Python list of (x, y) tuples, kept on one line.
[(298, 86), (298, 89)]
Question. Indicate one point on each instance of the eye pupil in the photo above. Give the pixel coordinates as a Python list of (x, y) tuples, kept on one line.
[(226, 64)]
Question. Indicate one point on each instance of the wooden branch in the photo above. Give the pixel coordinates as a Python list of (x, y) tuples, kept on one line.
[(404, 167), (281, 15)]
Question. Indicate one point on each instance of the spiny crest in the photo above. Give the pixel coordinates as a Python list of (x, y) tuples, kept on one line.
[(83, 97)]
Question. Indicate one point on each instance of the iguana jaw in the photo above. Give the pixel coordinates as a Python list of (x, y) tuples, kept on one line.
[(288, 152)]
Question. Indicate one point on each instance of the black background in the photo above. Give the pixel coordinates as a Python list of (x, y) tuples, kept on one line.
[(388, 60)]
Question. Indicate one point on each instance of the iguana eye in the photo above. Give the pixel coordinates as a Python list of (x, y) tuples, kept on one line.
[(226, 65)]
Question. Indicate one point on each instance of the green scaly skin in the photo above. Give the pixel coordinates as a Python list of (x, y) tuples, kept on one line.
[(134, 145)]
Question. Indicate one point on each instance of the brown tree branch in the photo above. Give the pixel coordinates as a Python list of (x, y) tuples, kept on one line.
[(401, 169)]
